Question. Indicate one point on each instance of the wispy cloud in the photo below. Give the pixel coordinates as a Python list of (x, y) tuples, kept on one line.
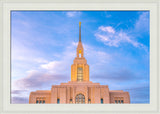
[(112, 37), (38, 79), (18, 91), (142, 24), (73, 13), (52, 65), (121, 75), (108, 29), (107, 14), (19, 100), (109, 36)]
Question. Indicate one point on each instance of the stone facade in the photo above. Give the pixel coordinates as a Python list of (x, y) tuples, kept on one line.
[(79, 89)]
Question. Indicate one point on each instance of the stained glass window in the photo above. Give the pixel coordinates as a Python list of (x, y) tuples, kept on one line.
[(80, 99)]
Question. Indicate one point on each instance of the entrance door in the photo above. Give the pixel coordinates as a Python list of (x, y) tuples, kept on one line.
[(80, 99)]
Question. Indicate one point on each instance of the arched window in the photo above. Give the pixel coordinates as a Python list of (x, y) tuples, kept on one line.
[(80, 99), (80, 74), (80, 53)]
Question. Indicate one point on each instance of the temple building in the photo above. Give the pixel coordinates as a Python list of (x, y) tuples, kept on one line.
[(80, 90)]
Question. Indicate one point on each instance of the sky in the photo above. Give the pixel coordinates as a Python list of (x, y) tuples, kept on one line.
[(116, 45)]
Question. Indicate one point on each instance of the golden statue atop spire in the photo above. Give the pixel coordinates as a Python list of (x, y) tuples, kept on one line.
[(79, 23)]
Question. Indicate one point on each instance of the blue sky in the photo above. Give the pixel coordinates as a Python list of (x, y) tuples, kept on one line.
[(116, 46)]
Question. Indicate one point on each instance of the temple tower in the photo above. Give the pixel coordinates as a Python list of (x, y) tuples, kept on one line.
[(80, 68)]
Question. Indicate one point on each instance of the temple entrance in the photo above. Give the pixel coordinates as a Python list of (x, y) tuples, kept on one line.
[(80, 99)]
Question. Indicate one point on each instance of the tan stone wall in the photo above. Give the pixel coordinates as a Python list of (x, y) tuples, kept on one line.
[(92, 91), (105, 94), (119, 94), (98, 92), (86, 72), (59, 92), (54, 94), (63, 95), (97, 95), (73, 72), (80, 61), (40, 94)]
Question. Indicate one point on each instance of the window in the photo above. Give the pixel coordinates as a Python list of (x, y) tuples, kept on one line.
[(115, 101), (70, 101), (80, 74), (37, 101), (101, 100), (89, 101), (43, 101), (40, 102), (118, 101), (80, 53), (58, 101), (80, 99)]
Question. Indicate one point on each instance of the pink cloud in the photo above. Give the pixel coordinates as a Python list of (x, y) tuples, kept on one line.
[(19, 100), (37, 79)]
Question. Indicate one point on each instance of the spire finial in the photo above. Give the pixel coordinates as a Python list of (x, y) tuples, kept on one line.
[(79, 23), (79, 31)]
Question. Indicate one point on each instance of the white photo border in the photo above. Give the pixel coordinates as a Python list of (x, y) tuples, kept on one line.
[(6, 6)]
